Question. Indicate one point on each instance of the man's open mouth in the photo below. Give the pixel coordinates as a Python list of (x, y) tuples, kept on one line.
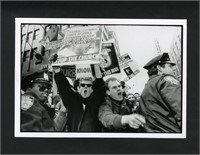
[(119, 94), (85, 92)]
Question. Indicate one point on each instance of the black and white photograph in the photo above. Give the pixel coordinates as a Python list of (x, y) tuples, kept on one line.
[(129, 78), (99, 77)]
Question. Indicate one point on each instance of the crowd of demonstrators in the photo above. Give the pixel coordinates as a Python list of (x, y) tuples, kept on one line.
[(115, 114), (95, 105), (133, 103), (137, 96), (160, 100), (35, 114)]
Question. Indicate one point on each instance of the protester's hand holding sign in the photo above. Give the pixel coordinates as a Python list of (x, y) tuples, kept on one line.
[(97, 70)]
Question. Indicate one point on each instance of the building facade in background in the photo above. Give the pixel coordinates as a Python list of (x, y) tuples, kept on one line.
[(175, 54)]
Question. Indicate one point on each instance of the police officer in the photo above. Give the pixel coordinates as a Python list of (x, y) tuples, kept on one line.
[(160, 100), (34, 116)]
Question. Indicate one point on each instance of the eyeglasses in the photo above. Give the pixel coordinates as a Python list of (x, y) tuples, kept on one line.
[(43, 87), (83, 85)]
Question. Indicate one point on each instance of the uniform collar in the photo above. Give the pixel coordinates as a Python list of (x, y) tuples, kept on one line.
[(153, 76), (35, 96), (31, 94)]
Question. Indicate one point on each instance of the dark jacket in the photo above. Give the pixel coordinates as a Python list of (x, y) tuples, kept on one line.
[(110, 115), (160, 103), (34, 117), (78, 118)]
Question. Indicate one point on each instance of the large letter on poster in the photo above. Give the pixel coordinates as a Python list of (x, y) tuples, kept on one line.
[(80, 45)]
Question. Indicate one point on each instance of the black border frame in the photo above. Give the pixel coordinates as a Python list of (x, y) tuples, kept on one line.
[(113, 9)]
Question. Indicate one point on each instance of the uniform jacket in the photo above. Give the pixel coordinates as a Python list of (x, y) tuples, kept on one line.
[(110, 115), (34, 117), (161, 104), (80, 119)]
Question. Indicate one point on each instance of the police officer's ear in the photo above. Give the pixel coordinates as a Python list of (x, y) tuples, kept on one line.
[(159, 67)]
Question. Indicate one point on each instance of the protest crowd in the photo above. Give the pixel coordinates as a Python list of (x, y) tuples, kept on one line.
[(92, 104)]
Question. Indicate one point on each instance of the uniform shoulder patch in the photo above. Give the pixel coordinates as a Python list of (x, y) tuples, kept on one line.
[(171, 80), (26, 102)]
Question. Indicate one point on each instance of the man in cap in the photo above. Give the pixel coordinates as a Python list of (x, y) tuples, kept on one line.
[(115, 113), (34, 116), (160, 100)]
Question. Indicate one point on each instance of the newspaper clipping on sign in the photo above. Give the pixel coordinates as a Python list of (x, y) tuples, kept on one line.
[(80, 45), (53, 38), (109, 62), (128, 67)]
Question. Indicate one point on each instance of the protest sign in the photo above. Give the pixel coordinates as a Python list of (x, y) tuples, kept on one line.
[(80, 45), (52, 45), (109, 62), (51, 38), (69, 71), (128, 67), (84, 71)]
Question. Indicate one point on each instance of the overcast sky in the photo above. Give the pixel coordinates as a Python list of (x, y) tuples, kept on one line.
[(139, 42)]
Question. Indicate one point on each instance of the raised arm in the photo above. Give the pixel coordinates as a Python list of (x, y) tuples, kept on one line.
[(64, 87)]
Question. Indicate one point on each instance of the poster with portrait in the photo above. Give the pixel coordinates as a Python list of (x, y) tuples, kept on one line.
[(109, 61), (128, 67)]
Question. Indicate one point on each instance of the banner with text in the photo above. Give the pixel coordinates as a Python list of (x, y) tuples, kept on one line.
[(128, 67), (69, 71), (84, 71), (80, 45)]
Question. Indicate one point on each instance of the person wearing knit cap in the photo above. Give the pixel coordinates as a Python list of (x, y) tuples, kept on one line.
[(160, 101)]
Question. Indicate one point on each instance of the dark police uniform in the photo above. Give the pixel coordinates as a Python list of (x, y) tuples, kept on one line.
[(34, 117), (161, 101)]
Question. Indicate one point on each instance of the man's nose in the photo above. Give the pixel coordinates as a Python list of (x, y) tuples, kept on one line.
[(47, 90)]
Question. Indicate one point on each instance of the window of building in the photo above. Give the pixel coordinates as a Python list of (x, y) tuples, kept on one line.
[(26, 55), (36, 34), (28, 36), (34, 50), (23, 37)]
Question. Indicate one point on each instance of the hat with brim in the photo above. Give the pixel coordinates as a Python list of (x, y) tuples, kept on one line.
[(161, 59), (29, 80), (41, 80)]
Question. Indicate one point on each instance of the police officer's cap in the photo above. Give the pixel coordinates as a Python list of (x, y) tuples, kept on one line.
[(161, 59), (36, 77)]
